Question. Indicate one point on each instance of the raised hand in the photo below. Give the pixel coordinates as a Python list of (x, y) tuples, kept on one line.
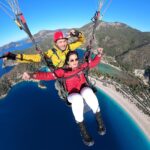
[(74, 33)]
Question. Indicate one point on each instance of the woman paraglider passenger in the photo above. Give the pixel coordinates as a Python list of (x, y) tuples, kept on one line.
[(78, 90)]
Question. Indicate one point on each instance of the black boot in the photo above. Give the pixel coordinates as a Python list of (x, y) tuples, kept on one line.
[(85, 135), (101, 126)]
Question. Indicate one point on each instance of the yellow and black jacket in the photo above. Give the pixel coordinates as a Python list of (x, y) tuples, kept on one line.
[(57, 58)]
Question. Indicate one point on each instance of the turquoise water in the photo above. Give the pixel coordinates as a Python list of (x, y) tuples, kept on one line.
[(104, 68), (35, 119)]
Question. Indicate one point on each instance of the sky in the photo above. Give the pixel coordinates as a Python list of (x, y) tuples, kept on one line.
[(58, 14)]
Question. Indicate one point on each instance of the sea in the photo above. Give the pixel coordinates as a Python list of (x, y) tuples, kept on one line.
[(32, 118)]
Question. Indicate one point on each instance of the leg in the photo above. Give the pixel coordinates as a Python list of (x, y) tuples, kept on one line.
[(77, 108), (92, 101), (76, 101)]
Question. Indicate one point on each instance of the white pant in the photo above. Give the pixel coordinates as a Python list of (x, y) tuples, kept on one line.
[(77, 101)]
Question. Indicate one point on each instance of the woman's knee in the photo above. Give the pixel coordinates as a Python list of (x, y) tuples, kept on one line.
[(74, 97), (90, 98), (86, 91)]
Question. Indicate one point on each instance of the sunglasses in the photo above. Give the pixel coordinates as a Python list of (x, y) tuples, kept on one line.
[(72, 60)]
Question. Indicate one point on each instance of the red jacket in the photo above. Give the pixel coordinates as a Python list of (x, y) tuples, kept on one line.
[(76, 78)]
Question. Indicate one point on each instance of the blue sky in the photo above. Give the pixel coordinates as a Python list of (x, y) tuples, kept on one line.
[(55, 14)]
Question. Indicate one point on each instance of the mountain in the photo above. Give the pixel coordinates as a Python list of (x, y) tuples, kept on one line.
[(138, 57), (129, 46), (44, 34), (7, 46), (19, 45)]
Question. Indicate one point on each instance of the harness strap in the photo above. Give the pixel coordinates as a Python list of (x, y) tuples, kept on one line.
[(54, 51)]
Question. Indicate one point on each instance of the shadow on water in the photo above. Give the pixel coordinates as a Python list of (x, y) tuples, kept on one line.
[(35, 119)]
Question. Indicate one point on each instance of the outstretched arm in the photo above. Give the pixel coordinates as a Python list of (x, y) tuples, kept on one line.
[(43, 75), (23, 58), (27, 58)]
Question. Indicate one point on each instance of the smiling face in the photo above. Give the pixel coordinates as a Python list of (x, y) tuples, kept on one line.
[(62, 44), (73, 61)]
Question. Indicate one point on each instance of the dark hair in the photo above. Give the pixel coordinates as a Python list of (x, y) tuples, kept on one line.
[(68, 56)]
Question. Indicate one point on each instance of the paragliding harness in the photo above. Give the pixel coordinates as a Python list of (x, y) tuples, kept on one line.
[(86, 72), (60, 83)]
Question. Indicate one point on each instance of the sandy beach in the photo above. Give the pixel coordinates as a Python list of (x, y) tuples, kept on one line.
[(142, 120)]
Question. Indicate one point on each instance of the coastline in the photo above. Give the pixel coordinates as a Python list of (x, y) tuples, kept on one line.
[(15, 83), (3, 96), (142, 120)]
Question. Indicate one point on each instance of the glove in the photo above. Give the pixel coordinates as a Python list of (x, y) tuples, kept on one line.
[(74, 33), (10, 55)]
